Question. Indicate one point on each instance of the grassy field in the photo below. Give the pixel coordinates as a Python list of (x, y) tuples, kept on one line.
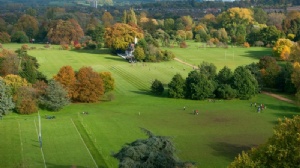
[(212, 139)]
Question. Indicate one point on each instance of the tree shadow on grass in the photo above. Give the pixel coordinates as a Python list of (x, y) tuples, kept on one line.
[(258, 54), (143, 92), (101, 51), (116, 58), (227, 150), (285, 111)]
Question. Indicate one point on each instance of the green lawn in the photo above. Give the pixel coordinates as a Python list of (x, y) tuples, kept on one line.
[(212, 139)]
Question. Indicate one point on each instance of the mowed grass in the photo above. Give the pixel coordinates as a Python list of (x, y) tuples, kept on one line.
[(212, 139)]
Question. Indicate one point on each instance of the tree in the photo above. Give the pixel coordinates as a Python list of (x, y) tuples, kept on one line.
[(107, 19), (244, 82), (156, 151), (64, 31), (235, 20), (199, 86), (4, 37), (295, 50), (6, 102), (275, 19), (281, 150), (108, 81), (157, 87), (26, 102), (15, 82), (269, 35), (225, 91), (177, 87), (225, 76), (89, 86), (120, 35), (55, 98), (296, 75), (66, 77), (282, 48), (139, 53), (19, 37), (9, 63), (260, 15), (291, 24), (208, 69), (29, 25)]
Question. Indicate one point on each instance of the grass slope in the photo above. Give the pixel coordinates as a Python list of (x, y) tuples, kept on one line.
[(212, 139)]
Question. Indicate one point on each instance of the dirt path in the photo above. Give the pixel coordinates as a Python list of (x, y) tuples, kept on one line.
[(179, 60), (263, 92), (278, 97)]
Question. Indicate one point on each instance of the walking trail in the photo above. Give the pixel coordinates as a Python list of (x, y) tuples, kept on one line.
[(263, 92)]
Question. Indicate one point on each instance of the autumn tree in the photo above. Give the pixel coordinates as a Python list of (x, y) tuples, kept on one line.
[(281, 150), (235, 20), (120, 35), (4, 37), (107, 19), (61, 31), (108, 81), (269, 71), (291, 24), (15, 82), (89, 86), (282, 49), (66, 77), (9, 63), (129, 17), (55, 98), (295, 50), (28, 24), (26, 100), (275, 19)]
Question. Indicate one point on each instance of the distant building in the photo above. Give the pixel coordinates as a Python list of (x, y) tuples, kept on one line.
[(219, 0)]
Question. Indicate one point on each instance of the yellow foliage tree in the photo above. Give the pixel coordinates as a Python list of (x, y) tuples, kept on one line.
[(120, 35), (282, 48), (15, 82)]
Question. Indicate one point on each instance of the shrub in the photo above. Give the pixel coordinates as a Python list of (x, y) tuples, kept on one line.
[(246, 45), (77, 46), (65, 46), (183, 44), (157, 87)]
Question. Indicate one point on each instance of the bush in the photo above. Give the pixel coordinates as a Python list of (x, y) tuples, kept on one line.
[(246, 45), (19, 37), (183, 44), (65, 46), (77, 46)]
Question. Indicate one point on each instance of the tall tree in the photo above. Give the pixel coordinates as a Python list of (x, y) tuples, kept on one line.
[(89, 87), (29, 25), (176, 87), (120, 35), (245, 83), (65, 31), (66, 77), (6, 103), (107, 19), (55, 98)]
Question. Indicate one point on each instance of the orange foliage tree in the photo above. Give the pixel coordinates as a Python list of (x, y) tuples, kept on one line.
[(89, 87), (65, 31), (26, 101), (66, 77)]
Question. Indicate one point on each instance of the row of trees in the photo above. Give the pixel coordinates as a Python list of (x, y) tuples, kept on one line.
[(24, 89), (205, 83)]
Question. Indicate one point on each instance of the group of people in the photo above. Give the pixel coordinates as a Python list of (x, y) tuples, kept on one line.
[(259, 107), (196, 112)]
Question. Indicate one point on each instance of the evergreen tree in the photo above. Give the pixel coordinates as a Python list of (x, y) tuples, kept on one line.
[(6, 103), (156, 151), (55, 98)]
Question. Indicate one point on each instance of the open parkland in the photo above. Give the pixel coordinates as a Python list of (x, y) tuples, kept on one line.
[(221, 130)]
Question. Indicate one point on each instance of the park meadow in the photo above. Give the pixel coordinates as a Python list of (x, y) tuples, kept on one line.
[(222, 130)]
